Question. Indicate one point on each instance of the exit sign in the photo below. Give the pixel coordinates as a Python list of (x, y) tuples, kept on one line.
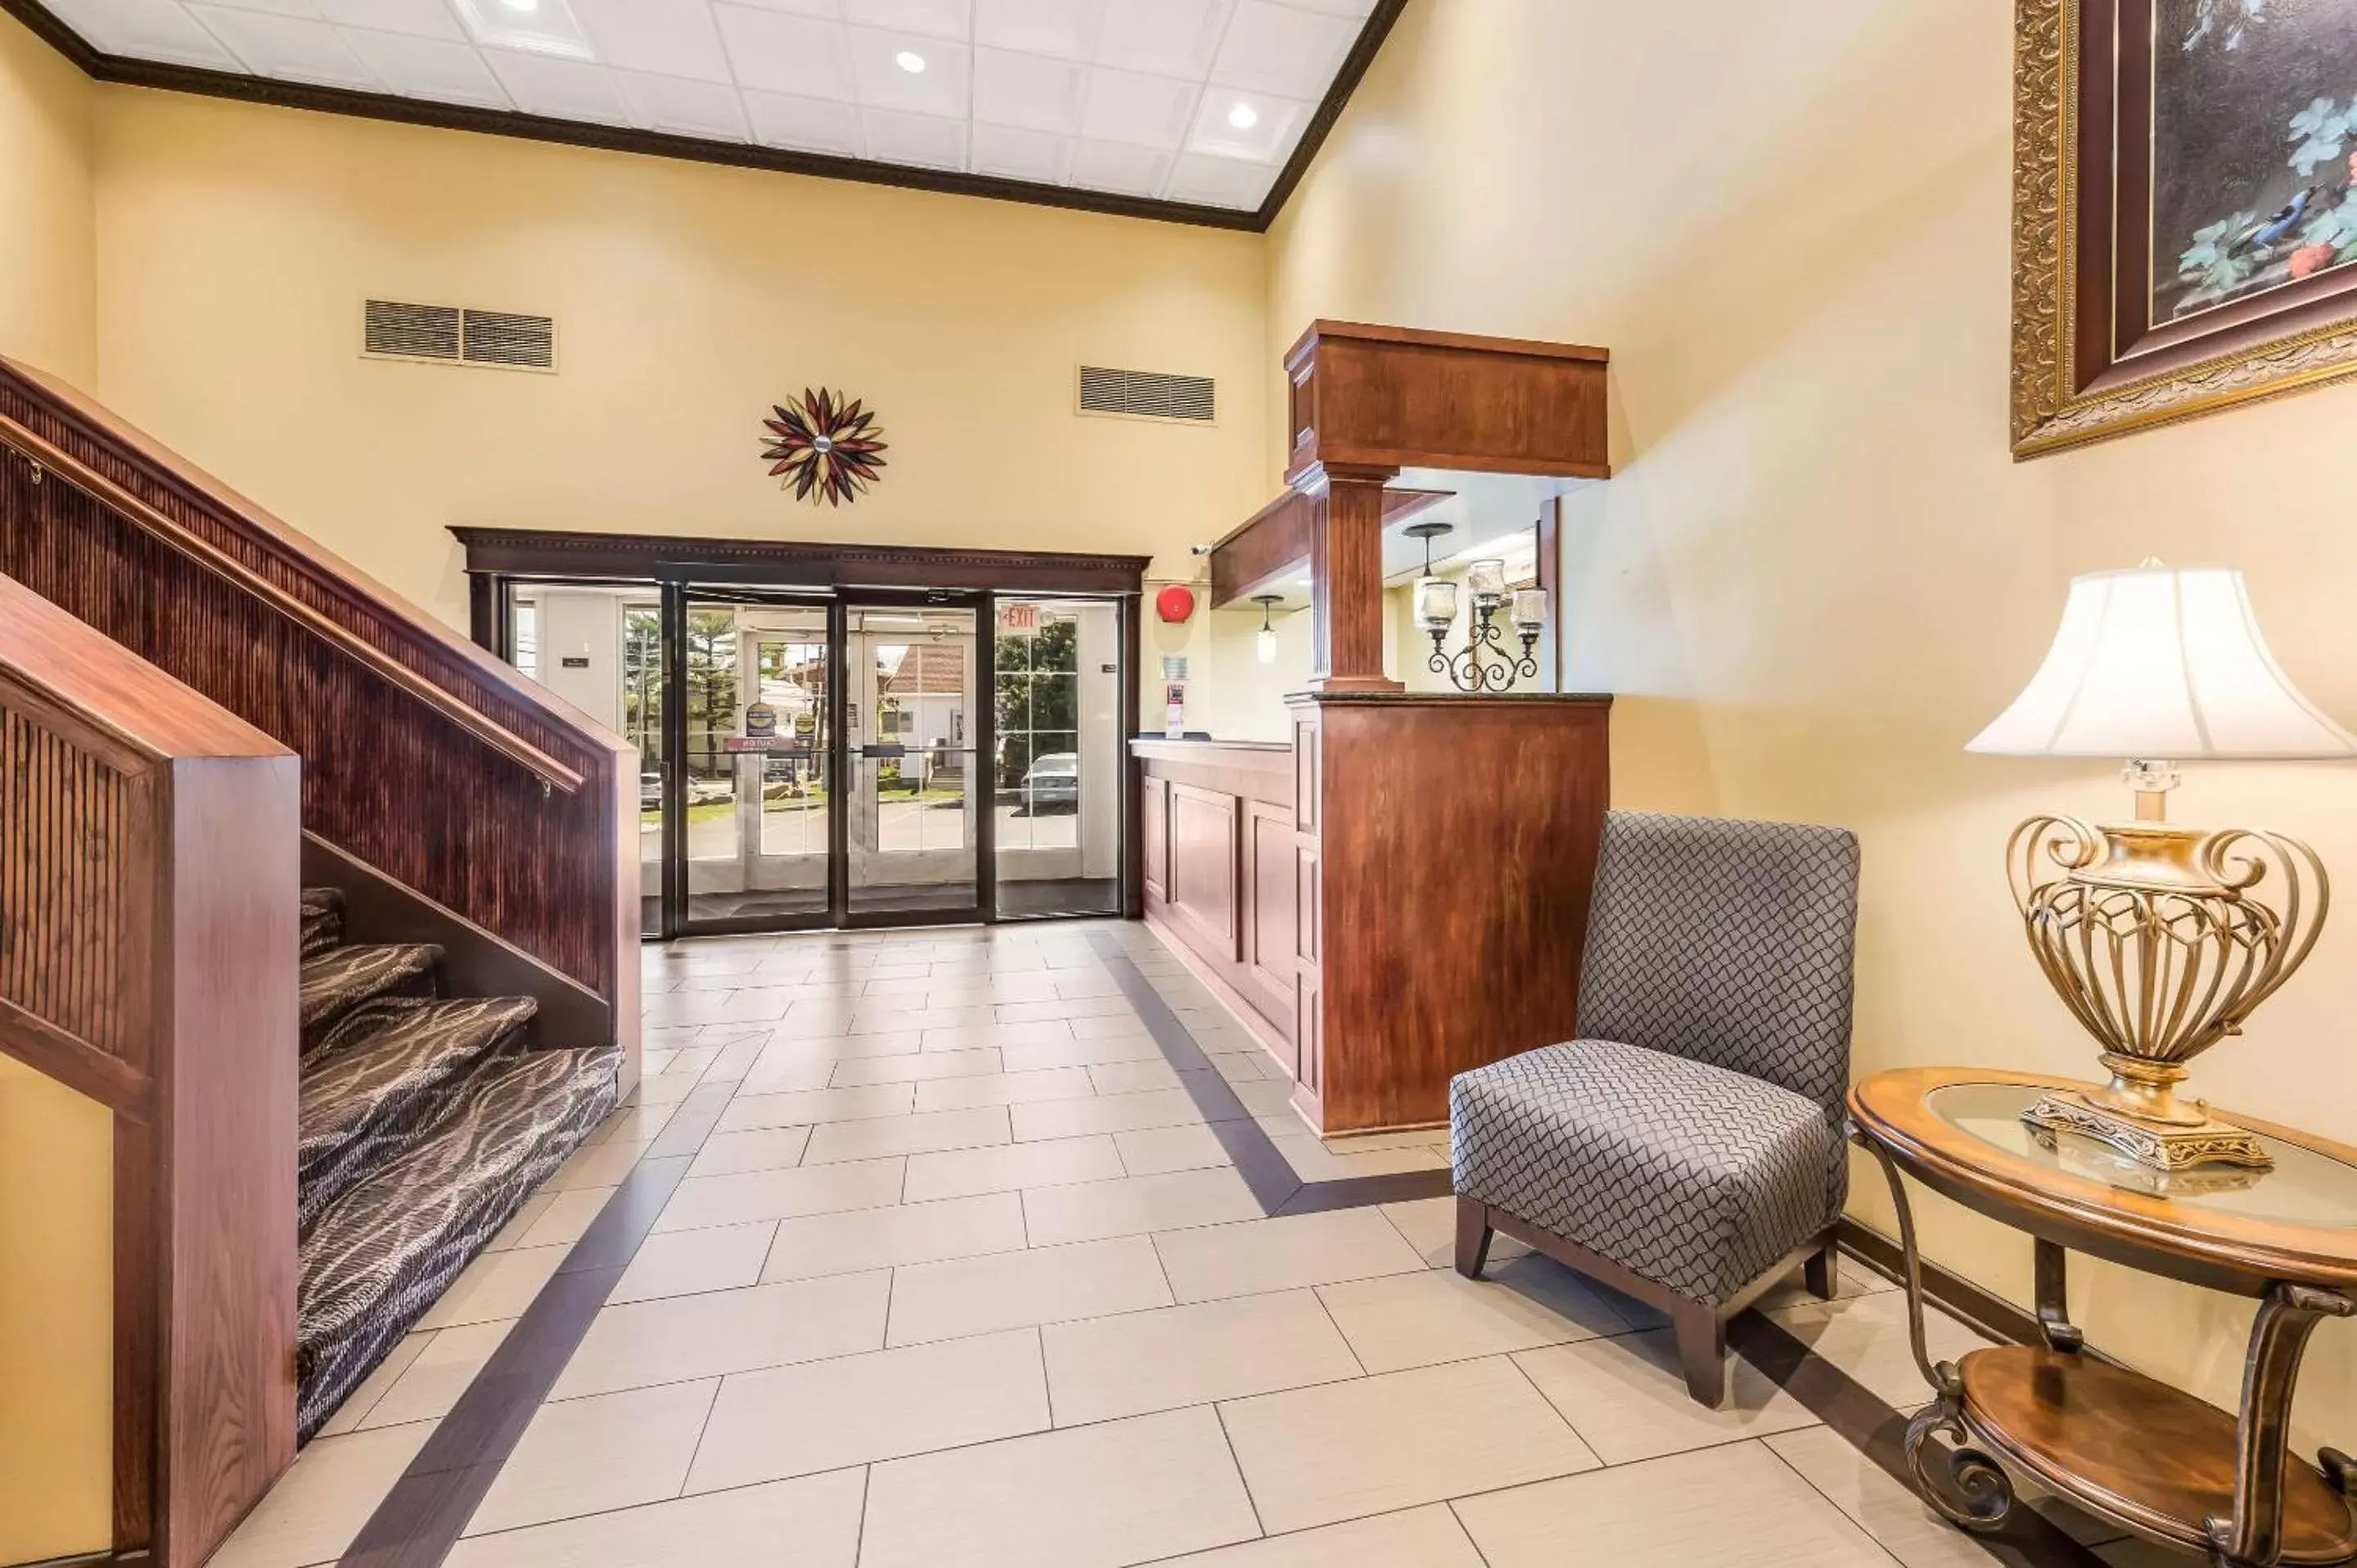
[(1018, 618)]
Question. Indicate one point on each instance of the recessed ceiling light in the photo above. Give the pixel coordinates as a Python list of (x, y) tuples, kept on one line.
[(908, 60), (1244, 116)]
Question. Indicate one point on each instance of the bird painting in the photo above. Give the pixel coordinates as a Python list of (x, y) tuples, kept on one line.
[(2267, 232)]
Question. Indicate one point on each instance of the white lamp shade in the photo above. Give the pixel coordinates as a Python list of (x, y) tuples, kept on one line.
[(2157, 664)]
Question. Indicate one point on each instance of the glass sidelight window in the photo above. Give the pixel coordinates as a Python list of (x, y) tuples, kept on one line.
[(1056, 773)]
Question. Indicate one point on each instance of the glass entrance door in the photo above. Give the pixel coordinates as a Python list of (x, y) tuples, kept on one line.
[(911, 846)]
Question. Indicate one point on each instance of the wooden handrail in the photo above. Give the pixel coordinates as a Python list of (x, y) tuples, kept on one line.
[(48, 458)]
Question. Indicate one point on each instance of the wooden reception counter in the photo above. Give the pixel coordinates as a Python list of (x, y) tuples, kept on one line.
[(1398, 894)]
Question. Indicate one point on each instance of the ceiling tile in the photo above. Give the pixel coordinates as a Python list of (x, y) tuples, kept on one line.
[(1151, 110), (1277, 48), (1219, 182), (1359, 9), (1029, 90), (1065, 28), (145, 29), (1252, 125), (419, 18), (937, 89), (831, 10), (669, 38), (1011, 153), (544, 26), (566, 88), (685, 107), (303, 8), (921, 139), (936, 18), (796, 55), (286, 46), (1165, 38), (428, 68), (1112, 166), (804, 124)]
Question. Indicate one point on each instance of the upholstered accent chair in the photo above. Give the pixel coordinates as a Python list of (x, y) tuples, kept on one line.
[(1687, 1148)]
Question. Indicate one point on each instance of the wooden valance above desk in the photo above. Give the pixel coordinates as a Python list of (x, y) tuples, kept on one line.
[(1398, 894)]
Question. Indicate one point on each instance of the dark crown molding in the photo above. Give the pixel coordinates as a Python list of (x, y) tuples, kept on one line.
[(125, 72)]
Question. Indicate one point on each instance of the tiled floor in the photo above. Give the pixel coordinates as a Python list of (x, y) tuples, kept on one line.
[(961, 1277)]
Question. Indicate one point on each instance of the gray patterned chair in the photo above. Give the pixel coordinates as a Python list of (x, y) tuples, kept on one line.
[(1687, 1148)]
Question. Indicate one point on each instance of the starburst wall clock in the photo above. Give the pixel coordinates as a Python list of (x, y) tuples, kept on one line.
[(824, 448)]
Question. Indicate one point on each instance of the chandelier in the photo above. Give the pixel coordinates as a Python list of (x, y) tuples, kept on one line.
[(1484, 665)]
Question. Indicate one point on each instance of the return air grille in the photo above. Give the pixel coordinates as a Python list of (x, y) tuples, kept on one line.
[(1148, 394), (455, 334)]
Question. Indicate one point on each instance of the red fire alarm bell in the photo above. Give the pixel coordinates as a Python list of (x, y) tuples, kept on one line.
[(1175, 603)]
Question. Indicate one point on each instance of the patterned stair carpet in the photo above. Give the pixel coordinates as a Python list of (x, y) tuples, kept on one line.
[(425, 1123)]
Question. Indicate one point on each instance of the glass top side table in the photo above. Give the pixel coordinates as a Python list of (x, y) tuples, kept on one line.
[(2148, 1457)]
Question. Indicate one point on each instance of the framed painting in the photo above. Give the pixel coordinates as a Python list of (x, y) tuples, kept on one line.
[(2185, 209)]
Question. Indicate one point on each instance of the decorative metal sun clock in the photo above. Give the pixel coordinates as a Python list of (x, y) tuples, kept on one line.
[(824, 448)]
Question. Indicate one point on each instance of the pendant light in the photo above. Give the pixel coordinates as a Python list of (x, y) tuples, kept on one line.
[(1264, 641)]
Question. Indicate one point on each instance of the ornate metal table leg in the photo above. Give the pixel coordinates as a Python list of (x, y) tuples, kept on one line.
[(2254, 1537), (1988, 1494), (2054, 1299)]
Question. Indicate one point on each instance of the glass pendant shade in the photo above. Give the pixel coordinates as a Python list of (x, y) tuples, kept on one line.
[(2162, 664), (1265, 645), (1436, 603), (1530, 609), (1486, 580)]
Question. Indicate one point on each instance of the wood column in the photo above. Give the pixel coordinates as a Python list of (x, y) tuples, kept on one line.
[(1346, 575)]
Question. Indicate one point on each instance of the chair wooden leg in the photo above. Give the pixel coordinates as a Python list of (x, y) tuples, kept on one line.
[(1472, 1237), (1702, 1346), (1823, 1271)]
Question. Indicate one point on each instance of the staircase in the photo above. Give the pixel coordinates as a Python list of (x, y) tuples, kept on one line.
[(426, 1120)]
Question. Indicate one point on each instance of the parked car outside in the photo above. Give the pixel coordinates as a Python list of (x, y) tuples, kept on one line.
[(1052, 785)]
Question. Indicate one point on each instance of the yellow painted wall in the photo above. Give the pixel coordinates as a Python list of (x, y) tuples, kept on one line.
[(56, 1229), (1818, 573), (47, 266), (237, 243)]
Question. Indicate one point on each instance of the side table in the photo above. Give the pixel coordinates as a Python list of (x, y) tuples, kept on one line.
[(2144, 1456)]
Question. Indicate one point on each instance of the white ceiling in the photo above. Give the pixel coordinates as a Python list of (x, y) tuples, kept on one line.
[(1192, 100)]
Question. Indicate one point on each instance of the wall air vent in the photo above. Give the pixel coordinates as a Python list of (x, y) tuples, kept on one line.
[(455, 334), (1148, 394)]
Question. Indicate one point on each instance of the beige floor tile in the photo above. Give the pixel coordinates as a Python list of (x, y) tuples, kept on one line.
[(1270, 1099), (511, 1233), (1107, 1113), (1006, 1089), (735, 1060), (1249, 1067), (1099, 1496), (1283, 1254), (904, 1233), (588, 1456), (804, 1107), (1628, 1397), (764, 1149), (1090, 1211), (1430, 1226), (1735, 1504), (1867, 1337), (688, 1262), (495, 1285), (1080, 1053), (1312, 1161), (1008, 1167), (925, 1132), (661, 1090), (781, 1195), (1133, 1362), (632, 1124), (1885, 1510), (869, 1019), (1124, 1024), (1341, 1451), (1396, 1321), (562, 1222), (971, 1036), (799, 1070), (1428, 1536), (430, 1388), (1152, 1151), (915, 1067), (819, 1515), (855, 1410), (1855, 1279), (639, 1343), (1133, 1078), (595, 1165), (1087, 1007), (1013, 1290), (317, 1507), (387, 1372)]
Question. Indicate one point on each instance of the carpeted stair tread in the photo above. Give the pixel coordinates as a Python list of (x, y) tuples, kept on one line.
[(343, 978), (381, 1253), (323, 919), (366, 1100)]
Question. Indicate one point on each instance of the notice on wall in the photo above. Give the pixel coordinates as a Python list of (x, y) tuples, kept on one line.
[(1174, 708)]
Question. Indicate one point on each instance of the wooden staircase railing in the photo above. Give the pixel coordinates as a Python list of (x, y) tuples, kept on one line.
[(149, 944), (435, 764)]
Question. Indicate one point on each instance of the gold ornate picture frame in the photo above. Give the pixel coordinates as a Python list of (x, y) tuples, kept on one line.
[(2129, 311)]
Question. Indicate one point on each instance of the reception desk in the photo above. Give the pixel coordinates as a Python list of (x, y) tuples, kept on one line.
[(1398, 893)]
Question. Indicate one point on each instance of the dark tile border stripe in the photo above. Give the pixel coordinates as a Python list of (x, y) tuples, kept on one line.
[(1275, 1185)]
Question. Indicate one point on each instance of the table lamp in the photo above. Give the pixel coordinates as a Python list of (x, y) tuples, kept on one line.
[(2161, 940)]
